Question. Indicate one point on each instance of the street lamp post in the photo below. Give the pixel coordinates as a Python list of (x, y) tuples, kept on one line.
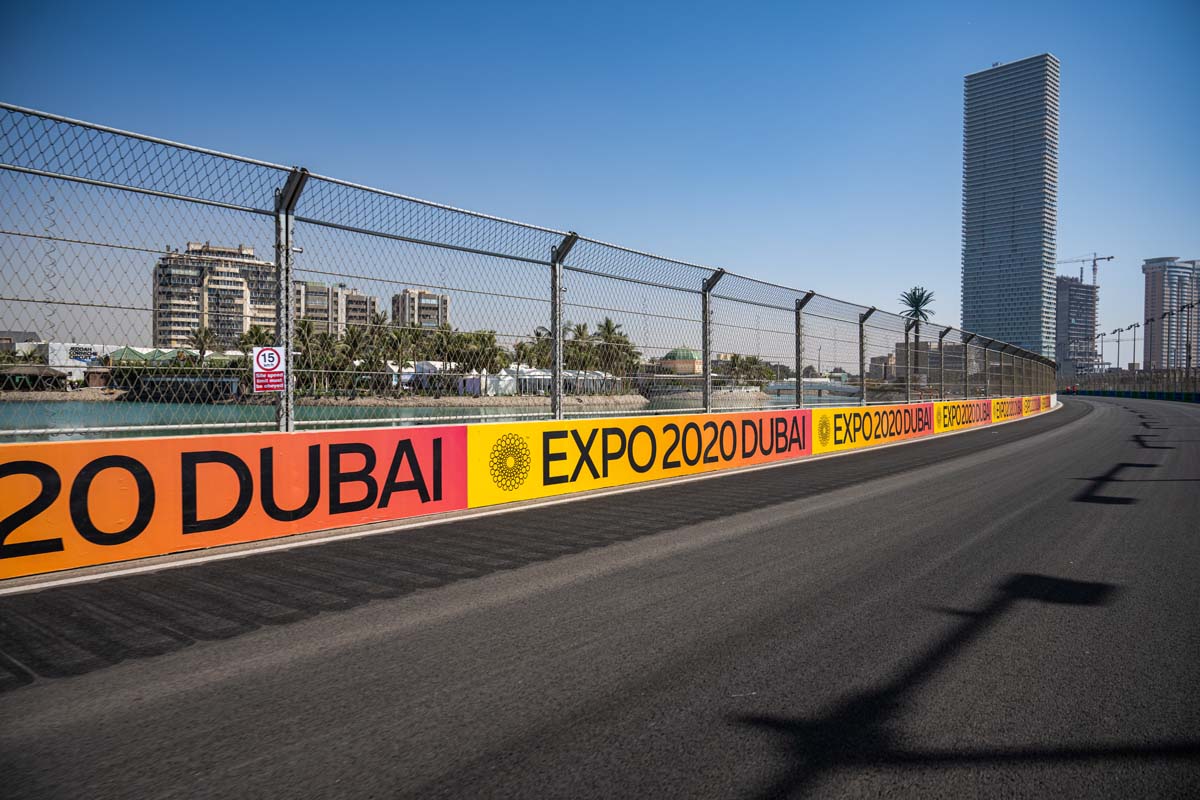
[(1187, 342), (1117, 331), (1168, 360), (1149, 359), (1134, 328)]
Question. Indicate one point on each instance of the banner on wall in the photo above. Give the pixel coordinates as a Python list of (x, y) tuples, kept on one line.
[(524, 460), (954, 415), (75, 504), (1007, 408), (848, 428)]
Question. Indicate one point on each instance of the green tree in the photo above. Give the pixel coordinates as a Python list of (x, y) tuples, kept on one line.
[(256, 336), (579, 351), (536, 352), (617, 354), (354, 353), (203, 340), (916, 302)]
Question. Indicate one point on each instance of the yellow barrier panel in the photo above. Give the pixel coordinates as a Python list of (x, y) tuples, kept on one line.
[(1007, 408), (507, 462), (954, 415), (848, 428)]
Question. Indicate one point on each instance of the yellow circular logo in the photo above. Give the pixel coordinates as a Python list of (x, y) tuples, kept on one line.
[(824, 431)]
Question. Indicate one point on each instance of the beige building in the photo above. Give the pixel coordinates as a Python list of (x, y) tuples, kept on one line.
[(223, 288), (414, 308), (332, 308)]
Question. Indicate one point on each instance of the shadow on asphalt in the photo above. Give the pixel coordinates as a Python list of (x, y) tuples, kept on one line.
[(858, 734), (1140, 441), (1092, 494), (73, 630)]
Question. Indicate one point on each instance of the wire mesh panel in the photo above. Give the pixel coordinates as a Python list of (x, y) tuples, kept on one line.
[(140, 274), (134, 271), (633, 331), (412, 312)]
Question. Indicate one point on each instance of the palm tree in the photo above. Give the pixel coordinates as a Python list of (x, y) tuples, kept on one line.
[(579, 351), (355, 347), (608, 331), (324, 349), (617, 353), (256, 336), (305, 335), (203, 340), (535, 353), (916, 302)]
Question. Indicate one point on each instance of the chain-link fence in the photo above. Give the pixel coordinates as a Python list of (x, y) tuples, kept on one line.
[(140, 274), (1182, 380)]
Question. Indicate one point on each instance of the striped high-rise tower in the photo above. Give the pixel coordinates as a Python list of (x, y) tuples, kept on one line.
[(1010, 202)]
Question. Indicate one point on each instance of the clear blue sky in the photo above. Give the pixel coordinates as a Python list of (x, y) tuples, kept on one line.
[(813, 145)]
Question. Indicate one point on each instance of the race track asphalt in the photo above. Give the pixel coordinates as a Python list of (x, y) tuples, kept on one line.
[(1011, 612)]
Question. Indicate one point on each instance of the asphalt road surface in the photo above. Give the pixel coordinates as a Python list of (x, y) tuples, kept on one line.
[(1012, 612)]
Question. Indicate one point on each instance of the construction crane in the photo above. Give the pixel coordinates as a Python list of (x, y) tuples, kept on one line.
[(1094, 258)]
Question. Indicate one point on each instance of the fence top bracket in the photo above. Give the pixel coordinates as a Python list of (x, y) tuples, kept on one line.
[(558, 254), (712, 280), (287, 197)]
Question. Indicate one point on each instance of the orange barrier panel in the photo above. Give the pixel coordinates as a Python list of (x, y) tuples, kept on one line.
[(75, 504)]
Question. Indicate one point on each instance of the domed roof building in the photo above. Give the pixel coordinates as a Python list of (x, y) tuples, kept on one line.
[(684, 361)]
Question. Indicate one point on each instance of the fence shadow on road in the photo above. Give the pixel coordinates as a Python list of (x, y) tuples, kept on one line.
[(1093, 493), (856, 733)]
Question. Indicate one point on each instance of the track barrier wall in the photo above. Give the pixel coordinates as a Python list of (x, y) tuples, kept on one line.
[(65, 505)]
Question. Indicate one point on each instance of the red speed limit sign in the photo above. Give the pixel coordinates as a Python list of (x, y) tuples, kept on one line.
[(269, 375)]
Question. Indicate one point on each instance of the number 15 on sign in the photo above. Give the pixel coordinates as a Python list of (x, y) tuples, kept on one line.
[(269, 375)]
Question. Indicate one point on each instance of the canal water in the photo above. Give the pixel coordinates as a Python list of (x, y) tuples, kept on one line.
[(62, 420)]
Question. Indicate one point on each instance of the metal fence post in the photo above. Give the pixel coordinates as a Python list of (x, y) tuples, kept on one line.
[(801, 302), (285, 318), (908, 359), (987, 369), (966, 346), (862, 353), (942, 363), (1002, 350), (557, 255), (706, 334)]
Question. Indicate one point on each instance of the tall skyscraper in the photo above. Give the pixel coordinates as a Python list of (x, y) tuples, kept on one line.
[(1075, 327), (1010, 202), (1170, 284)]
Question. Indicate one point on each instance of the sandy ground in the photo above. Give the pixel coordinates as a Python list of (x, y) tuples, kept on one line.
[(78, 395)]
